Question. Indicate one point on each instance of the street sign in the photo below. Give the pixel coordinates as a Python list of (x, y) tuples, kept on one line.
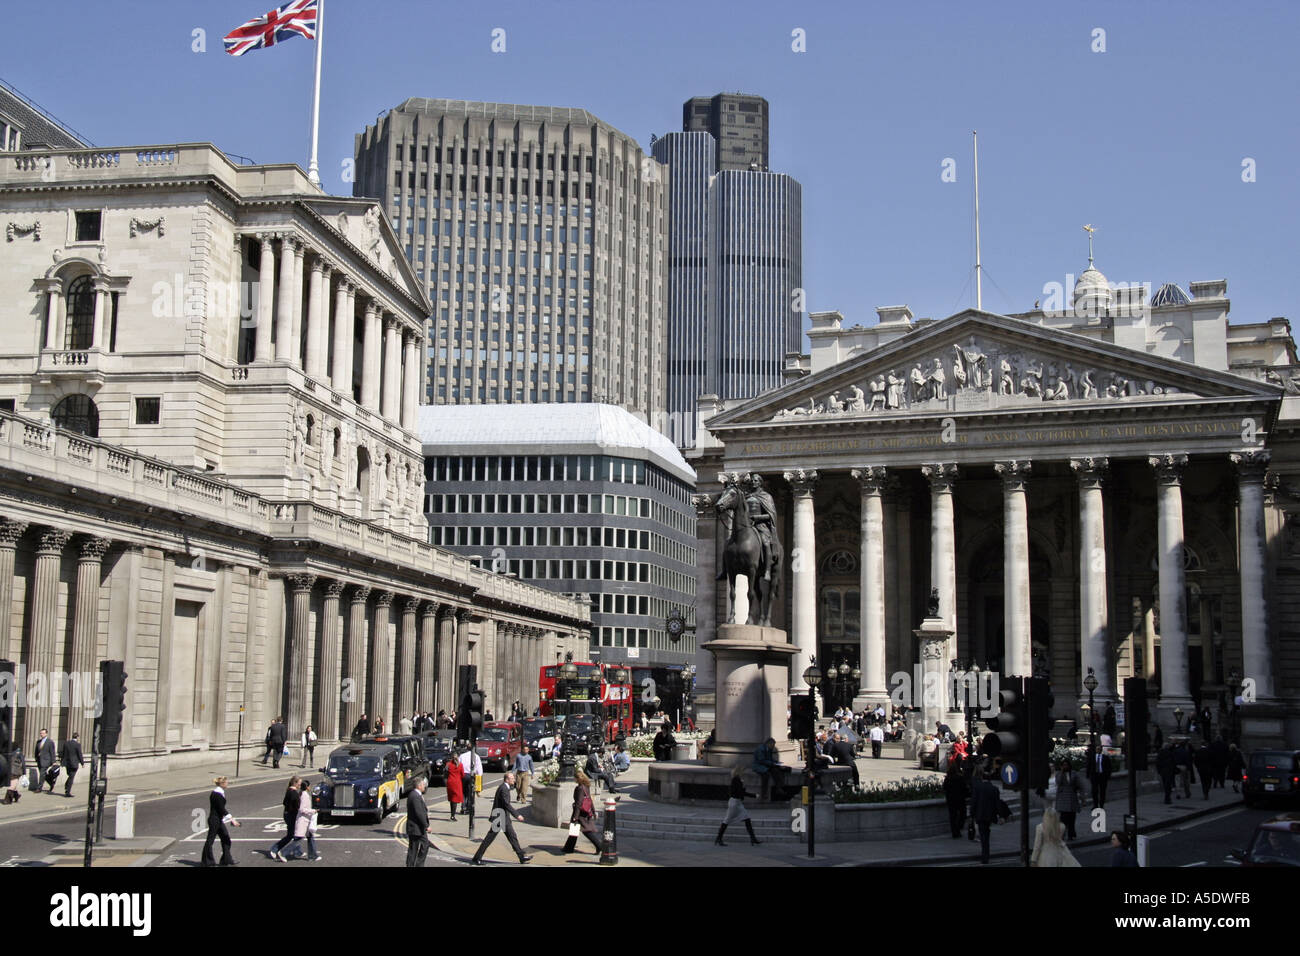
[(1010, 774)]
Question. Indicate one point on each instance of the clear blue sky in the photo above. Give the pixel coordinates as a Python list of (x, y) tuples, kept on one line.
[(1144, 141)]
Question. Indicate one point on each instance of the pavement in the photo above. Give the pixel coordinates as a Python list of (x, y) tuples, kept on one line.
[(452, 840)]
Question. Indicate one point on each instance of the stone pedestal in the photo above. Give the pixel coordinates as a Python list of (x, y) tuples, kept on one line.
[(932, 637), (753, 668)]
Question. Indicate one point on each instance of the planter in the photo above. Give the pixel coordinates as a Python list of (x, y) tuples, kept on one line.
[(905, 820), (550, 806)]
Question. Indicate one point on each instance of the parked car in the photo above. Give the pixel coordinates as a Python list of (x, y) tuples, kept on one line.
[(1275, 842), (1270, 775), (411, 749), (499, 743), (361, 779), (439, 749), (540, 734)]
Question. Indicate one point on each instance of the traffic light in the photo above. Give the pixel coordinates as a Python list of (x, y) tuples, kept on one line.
[(1136, 718), (112, 678), (1009, 736), (1040, 699), (803, 716), (8, 697)]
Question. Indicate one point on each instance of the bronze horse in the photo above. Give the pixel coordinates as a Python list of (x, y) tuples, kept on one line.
[(744, 555)]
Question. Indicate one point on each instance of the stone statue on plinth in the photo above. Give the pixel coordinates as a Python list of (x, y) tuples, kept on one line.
[(753, 548)]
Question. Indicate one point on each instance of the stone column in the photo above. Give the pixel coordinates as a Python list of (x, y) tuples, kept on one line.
[(463, 616), (406, 660), (392, 369), (410, 380), (284, 339), (327, 674), (53, 310), (354, 675), (322, 359), (300, 651), (500, 683), (427, 696), (317, 326), (97, 338), (873, 689), (314, 293), (85, 636), (1257, 658), (943, 553), (44, 631), (446, 698), (349, 340), (370, 359), (380, 661), (1019, 659), (1173, 588), (10, 532), (295, 334), (265, 300), (520, 642), (803, 559), (1094, 614), (341, 374)]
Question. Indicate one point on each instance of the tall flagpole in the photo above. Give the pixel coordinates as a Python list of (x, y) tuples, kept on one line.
[(313, 169), (979, 289)]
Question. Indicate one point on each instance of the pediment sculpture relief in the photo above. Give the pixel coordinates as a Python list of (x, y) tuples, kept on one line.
[(977, 375)]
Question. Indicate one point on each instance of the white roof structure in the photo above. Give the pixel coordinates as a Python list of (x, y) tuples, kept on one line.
[(555, 428)]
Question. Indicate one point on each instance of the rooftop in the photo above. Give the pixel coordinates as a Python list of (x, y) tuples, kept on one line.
[(503, 111), (555, 428)]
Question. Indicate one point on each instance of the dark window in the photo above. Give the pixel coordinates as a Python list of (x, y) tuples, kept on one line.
[(81, 314), (77, 413), (147, 410), (88, 226), (7, 405)]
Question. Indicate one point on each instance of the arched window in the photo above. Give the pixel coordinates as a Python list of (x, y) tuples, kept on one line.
[(77, 413), (79, 329)]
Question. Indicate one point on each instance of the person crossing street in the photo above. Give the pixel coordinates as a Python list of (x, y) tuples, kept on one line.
[(502, 820)]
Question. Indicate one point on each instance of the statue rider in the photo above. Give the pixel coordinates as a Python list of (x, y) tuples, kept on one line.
[(762, 513)]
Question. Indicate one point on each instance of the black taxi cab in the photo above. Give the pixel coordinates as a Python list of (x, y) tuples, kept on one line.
[(410, 749), (361, 780)]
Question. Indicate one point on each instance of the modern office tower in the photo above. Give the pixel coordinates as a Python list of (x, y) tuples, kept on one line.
[(737, 122), (735, 265), (539, 234)]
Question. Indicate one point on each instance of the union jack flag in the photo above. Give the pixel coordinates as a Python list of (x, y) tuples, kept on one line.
[(297, 18)]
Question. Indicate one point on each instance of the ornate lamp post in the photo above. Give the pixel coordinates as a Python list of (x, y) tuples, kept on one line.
[(1178, 719), (1090, 682), (621, 676), (568, 674), (812, 676)]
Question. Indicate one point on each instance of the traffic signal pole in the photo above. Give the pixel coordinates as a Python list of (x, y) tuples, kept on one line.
[(90, 800)]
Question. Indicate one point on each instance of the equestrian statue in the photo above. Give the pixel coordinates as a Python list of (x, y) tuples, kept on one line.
[(753, 549)]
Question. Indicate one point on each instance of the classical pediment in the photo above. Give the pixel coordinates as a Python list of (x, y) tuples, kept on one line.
[(362, 224), (979, 362)]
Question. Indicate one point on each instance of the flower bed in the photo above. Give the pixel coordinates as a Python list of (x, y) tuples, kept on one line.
[(893, 791)]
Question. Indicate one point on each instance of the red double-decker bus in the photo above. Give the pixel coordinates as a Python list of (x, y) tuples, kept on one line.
[(591, 693)]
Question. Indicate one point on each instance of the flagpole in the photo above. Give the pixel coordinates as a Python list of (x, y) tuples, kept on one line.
[(979, 271), (313, 169)]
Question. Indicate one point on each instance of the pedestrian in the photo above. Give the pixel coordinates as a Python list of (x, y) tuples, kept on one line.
[(378, 729), (1109, 724), (444, 722), (417, 825), (843, 755), (582, 818), (1219, 750), (736, 812), (1099, 772), (218, 819), (455, 786), (362, 729), (1167, 768), (1183, 758), (664, 743), (1205, 767), (406, 726), (72, 760), (955, 793), (595, 767), (45, 764), (1236, 767), (1120, 855), (1049, 847), (304, 824), (1069, 795), (17, 767), (767, 764), (503, 819), (472, 770), (308, 744), (290, 805), (877, 734), (523, 773), (275, 738), (984, 810)]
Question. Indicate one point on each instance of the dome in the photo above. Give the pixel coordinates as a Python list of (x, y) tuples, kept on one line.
[(1170, 294), (1092, 293)]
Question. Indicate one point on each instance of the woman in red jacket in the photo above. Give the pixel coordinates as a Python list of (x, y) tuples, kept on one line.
[(455, 784)]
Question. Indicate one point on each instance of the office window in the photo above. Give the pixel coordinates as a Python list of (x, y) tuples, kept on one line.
[(147, 411), (88, 226)]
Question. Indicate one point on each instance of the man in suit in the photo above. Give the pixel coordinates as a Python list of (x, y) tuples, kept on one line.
[(362, 728), (983, 810), (71, 758), (45, 758), (417, 825), (275, 738), (843, 754), (502, 820), (1099, 771)]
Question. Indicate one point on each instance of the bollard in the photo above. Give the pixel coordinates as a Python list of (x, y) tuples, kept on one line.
[(125, 817), (609, 850)]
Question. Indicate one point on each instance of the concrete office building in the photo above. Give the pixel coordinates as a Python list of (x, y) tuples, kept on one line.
[(738, 124), (735, 267), (539, 233), (582, 499)]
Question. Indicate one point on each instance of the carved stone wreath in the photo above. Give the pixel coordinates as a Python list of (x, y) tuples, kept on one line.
[(144, 225), (34, 230)]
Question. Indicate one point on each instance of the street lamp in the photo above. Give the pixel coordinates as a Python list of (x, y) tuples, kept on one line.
[(812, 676), (568, 673), (1178, 719), (621, 677), (1090, 682)]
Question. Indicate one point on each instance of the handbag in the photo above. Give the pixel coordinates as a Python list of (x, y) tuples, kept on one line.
[(575, 829), (586, 808)]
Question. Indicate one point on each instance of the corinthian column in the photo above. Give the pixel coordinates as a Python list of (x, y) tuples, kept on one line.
[(284, 310), (1015, 567), (381, 660), (370, 359), (943, 549), (265, 300), (314, 292), (871, 482), (1094, 616), (1257, 659), (406, 659), (317, 326), (354, 677), (428, 655), (803, 563), (45, 630), (327, 683), (1173, 587), (10, 532), (85, 634), (341, 374), (446, 698), (392, 375), (300, 652)]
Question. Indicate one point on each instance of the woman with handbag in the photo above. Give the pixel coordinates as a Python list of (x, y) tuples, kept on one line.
[(304, 824), (308, 747), (582, 821), (1069, 795), (455, 784)]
